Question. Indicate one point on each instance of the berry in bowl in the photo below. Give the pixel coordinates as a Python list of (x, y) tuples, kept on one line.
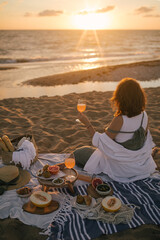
[(103, 189)]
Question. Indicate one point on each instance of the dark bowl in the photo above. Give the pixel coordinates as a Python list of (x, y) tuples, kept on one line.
[(103, 189)]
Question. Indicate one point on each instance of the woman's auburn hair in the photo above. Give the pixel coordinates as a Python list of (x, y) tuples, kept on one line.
[(128, 98)]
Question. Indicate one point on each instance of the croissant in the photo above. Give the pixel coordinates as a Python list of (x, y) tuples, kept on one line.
[(8, 143), (3, 146)]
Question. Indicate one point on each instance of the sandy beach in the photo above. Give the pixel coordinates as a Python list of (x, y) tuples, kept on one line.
[(51, 120)]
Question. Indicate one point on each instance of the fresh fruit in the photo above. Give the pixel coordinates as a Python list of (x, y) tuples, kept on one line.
[(53, 169), (45, 167), (41, 199), (46, 174), (111, 204), (96, 182)]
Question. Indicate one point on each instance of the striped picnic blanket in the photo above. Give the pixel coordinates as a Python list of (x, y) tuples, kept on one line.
[(68, 225)]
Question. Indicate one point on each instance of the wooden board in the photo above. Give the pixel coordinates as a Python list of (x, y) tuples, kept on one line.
[(85, 178), (29, 207), (93, 193)]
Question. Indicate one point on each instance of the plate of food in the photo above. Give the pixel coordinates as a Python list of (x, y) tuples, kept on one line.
[(83, 202), (24, 192), (49, 172)]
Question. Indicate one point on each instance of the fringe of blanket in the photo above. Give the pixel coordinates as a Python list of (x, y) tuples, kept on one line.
[(61, 216)]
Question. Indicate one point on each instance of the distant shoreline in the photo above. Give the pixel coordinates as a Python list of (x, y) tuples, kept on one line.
[(143, 71), (7, 68)]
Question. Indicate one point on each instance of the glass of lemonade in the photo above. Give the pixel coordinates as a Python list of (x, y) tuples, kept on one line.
[(81, 107), (70, 163)]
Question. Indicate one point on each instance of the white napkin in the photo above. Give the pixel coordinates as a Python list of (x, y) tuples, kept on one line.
[(24, 154)]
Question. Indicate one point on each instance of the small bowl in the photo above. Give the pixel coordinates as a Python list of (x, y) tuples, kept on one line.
[(24, 189), (103, 189), (58, 181)]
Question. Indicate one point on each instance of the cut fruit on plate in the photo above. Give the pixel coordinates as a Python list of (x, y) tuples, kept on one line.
[(40, 199), (53, 169), (111, 204), (96, 182)]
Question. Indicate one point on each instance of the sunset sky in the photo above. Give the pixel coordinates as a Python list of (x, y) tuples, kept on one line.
[(79, 14)]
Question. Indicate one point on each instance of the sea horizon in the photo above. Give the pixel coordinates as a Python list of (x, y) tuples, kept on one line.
[(72, 29)]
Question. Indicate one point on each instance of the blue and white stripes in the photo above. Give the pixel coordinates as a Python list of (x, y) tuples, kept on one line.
[(144, 193)]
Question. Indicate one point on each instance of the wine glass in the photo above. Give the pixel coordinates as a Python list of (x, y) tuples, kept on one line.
[(70, 163), (81, 107)]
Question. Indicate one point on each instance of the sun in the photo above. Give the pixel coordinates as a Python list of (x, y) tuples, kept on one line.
[(92, 21)]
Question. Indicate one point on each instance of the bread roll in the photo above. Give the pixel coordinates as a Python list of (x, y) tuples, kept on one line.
[(87, 200), (3, 146), (8, 143)]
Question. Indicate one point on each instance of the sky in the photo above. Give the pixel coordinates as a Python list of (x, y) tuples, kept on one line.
[(80, 14)]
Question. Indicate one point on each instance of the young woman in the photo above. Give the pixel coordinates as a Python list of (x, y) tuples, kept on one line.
[(124, 150)]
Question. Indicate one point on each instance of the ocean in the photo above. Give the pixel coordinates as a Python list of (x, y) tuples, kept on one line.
[(35, 53)]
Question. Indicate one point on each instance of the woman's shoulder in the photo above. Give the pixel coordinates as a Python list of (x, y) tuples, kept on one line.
[(117, 121), (114, 126)]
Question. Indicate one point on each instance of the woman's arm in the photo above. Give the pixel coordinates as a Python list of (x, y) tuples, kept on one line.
[(83, 118), (115, 125)]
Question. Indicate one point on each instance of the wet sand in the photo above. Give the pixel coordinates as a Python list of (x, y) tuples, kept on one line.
[(143, 71)]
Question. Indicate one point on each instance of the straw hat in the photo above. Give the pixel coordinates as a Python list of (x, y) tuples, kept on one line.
[(14, 175)]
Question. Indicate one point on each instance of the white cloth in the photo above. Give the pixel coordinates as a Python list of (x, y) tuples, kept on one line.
[(11, 204), (24, 154), (119, 163), (131, 124)]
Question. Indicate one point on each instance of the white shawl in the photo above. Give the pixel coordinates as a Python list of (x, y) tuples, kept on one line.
[(119, 163)]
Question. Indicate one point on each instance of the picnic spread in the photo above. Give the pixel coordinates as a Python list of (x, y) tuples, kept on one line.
[(82, 208)]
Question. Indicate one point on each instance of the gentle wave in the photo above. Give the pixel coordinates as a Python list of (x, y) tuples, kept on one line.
[(77, 47), (95, 57)]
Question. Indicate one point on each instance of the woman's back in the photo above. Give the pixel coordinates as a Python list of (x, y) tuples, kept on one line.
[(131, 125)]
